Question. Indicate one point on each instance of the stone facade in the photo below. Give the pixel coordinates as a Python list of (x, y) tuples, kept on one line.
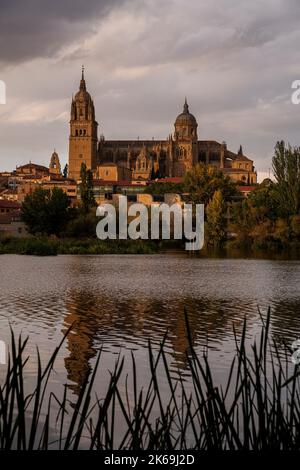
[(113, 172), (148, 159)]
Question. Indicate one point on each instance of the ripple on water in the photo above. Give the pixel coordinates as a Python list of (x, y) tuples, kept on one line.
[(120, 302)]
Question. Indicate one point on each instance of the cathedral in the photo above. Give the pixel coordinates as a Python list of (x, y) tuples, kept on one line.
[(143, 160)]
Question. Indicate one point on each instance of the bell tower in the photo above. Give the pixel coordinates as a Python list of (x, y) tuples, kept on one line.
[(83, 132), (54, 167)]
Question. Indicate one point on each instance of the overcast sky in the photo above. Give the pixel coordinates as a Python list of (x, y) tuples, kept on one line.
[(235, 60)]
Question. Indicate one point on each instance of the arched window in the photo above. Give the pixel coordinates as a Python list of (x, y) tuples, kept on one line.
[(76, 132), (182, 152)]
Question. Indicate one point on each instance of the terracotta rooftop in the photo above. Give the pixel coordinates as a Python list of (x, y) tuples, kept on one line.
[(232, 170), (237, 156), (175, 179), (33, 165), (115, 183), (59, 179)]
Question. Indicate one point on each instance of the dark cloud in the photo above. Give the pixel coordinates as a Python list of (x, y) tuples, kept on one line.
[(39, 28), (234, 59)]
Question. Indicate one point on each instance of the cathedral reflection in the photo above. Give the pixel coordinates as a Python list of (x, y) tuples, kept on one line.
[(99, 320)]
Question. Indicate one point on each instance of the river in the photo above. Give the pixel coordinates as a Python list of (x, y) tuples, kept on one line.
[(118, 303)]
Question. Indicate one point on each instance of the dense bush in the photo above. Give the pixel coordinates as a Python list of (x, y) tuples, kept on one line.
[(70, 246), (29, 246)]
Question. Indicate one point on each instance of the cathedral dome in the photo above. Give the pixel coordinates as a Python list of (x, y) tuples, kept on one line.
[(82, 95), (82, 104), (185, 118)]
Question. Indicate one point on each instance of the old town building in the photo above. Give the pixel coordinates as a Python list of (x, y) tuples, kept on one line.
[(26, 178)]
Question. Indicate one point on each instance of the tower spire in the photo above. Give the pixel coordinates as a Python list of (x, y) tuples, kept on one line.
[(185, 106), (82, 81)]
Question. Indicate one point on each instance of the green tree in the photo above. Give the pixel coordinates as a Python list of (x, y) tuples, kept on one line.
[(286, 168), (264, 199), (295, 226), (216, 221), (202, 181), (242, 222), (82, 225), (66, 171), (86, 188), (45, 211)]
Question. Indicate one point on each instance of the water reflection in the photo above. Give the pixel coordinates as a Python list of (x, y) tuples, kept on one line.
[(111, 324), (80, 341), (120, 302)]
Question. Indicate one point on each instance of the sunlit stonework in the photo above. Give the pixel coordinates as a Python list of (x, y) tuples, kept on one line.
[(147, 159)]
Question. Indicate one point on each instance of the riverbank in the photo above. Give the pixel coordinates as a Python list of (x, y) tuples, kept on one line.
[(52, 246)]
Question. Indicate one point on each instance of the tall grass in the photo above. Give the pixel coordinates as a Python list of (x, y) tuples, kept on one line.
[(258, 408)]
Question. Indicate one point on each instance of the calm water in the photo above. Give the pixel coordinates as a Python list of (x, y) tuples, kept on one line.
[(119, 302)]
